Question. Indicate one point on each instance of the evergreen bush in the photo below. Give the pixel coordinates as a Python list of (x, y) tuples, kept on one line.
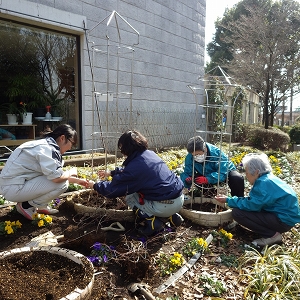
[(295, 134), (259, 137)]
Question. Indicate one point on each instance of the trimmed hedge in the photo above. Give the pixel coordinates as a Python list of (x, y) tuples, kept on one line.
[(295, 134), (263, 139)]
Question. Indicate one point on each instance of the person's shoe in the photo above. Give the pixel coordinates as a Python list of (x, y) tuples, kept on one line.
[(176, 220), (139, 214), (231, 225), (26, 212), (152, 225), (47, 210), (275, 239)]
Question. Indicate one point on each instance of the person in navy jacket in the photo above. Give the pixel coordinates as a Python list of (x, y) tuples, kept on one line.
[(152, 190), (272, 206), (210, 166)]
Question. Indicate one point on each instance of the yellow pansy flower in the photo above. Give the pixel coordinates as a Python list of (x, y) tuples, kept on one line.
[(41, 223), (9, 229), (48, 219), (18, 223)]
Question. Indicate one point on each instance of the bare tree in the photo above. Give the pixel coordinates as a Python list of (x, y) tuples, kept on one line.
[(265, 47)]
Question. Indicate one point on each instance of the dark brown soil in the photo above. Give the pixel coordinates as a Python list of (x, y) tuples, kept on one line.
[(34, 272), (135, 261)]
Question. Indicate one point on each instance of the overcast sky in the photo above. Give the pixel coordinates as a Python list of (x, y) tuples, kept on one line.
[(214, 9)]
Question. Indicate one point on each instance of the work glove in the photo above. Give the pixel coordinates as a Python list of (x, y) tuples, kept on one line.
[(201, 180), (188, 180)]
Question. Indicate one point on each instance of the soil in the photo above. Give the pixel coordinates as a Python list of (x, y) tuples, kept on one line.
[(36, 270), (135, 261)]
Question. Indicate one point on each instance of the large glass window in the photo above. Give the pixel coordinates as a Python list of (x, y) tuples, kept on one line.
[(38, 72)]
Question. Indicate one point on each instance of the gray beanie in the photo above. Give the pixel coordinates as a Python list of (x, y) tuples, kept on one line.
[(195, 143)]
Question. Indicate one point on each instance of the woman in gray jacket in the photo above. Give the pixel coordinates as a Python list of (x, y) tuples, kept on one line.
[(33, 175)]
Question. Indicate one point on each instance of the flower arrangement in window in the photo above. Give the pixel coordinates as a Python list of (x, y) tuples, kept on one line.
[(23, 108)]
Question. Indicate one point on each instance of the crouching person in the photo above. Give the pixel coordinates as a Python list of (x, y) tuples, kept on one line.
[(152, 191), (33, 175), (210, 166), (272, 206)]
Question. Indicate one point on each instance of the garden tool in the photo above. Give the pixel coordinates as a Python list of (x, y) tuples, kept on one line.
[(113, 227), (142, 288), (45, 239)]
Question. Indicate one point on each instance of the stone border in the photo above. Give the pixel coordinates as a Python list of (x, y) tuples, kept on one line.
[(208, 219)]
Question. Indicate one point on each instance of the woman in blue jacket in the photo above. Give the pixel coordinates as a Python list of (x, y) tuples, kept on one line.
[(272, 206), (211, 166), (152, 190)]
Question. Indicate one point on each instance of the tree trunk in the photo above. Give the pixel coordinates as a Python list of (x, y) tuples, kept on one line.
[(266, 113)]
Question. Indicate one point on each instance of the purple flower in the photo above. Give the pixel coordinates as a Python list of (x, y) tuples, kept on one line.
[(56, 202), (93, 259), (105, 259), (97, 246)]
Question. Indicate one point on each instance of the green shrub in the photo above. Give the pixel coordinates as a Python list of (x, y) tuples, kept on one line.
[(284, 128), (261, 138), (295, 134)]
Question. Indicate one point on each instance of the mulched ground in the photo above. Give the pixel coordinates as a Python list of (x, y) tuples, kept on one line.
[(136, 256)]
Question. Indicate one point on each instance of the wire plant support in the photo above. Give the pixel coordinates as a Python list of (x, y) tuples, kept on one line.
[(111, 42), (214, 110)]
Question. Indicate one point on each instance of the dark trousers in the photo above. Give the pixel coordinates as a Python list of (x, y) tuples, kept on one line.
[(264, 223), (236, 183)]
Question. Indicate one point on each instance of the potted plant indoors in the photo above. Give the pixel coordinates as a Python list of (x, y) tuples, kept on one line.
[(55, 102), (25, 92), (12, 111), (26, 116)]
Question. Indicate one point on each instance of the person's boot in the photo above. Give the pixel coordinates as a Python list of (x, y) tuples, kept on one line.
[(139, 215), (176, 220), (152, 225)]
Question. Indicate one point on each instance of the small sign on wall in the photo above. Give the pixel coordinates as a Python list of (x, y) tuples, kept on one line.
[(104, 97)]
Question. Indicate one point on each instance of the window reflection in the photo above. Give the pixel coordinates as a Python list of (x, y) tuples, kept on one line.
[(38, 68)]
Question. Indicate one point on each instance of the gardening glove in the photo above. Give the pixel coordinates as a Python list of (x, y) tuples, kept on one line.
[(201, 180), (188, 180)]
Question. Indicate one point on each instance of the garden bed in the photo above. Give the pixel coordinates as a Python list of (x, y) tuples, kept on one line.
[(81, 160), (138, 259), (135, 259), (49, 273), (206, 212)]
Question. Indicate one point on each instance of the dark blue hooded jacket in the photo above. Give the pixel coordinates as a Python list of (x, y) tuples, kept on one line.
[(143, 172)]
